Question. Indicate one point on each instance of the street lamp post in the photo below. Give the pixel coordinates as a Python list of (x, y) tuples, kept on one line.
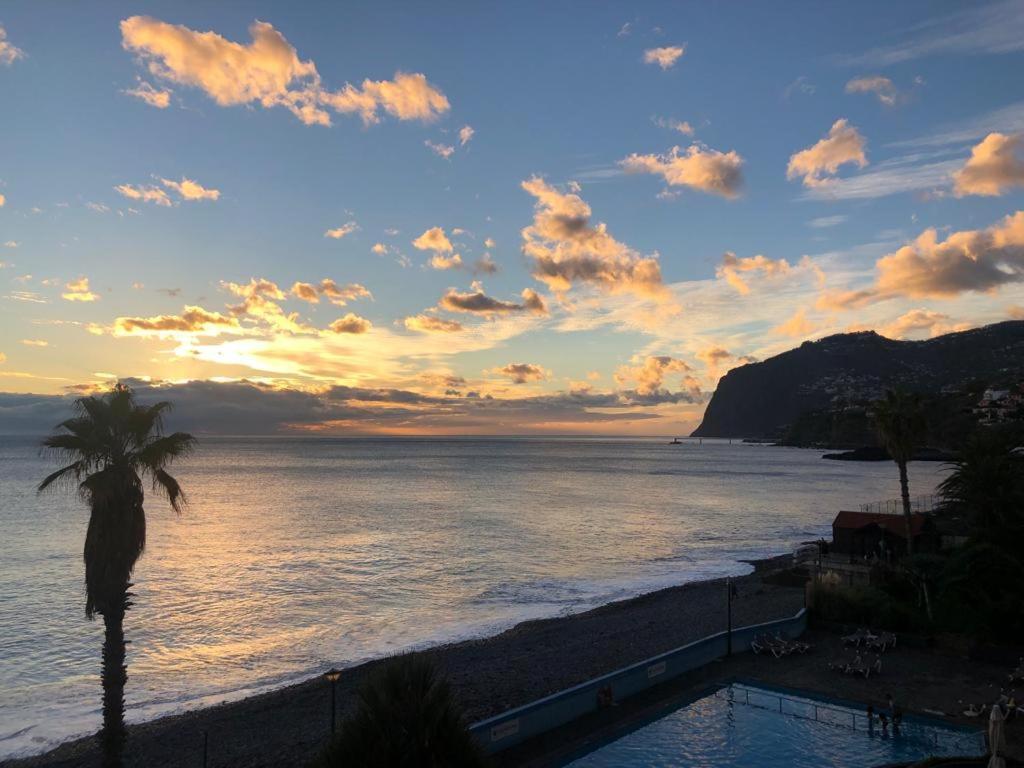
[(332, 676), (728, 632)]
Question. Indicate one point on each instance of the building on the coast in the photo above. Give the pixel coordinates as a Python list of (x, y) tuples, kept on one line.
[(871, 535), (999, 405)]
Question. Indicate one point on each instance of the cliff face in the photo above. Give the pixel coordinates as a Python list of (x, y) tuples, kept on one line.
[(764, 399)]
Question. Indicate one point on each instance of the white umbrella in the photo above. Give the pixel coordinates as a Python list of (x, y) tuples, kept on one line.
[(996, 737)]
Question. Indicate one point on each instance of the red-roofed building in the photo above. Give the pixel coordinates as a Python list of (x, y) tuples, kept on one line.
[(865, 534)]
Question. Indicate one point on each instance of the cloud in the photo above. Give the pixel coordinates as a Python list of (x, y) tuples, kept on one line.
[(917, 321), (734, 267), (698, 168), (567, 249), (11, 244), (145, 91), (1015, 312), (3, 201), (430, 324), (350, 323), (882, 87), (434, 239), (995, 166), (380, 249), (343, 231), (78, 290), (521, 373), (989, 28), (145, 194), (970, 260), (649, 377), (664, 57), (8, 52), (714, 358), (339, 295), (796, 326), (827, 221), (466, 134), (35, 343), (672, 124), (268, 72), (191, 320), (440, 261), (306, 292), (819, 163), (191, 190), (802, 86), (485, 265), (441, 150), (889, 177), (478, 302)]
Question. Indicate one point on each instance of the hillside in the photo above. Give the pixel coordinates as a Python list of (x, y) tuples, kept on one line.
[(818, 392)]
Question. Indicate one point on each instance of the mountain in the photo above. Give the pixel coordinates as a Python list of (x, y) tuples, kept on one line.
[(819, 391)]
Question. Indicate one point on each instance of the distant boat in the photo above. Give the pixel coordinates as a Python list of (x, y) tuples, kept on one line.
[(676, 441)]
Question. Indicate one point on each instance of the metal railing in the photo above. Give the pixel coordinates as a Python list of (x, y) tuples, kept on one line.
[(844, 717), (923, 504)]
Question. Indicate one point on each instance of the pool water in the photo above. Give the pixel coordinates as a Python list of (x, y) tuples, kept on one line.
[(741, 725)]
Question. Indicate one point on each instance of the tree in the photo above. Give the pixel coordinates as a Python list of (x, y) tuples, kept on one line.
[(899, 420), (111, 443), (405, 716), (987, 484)]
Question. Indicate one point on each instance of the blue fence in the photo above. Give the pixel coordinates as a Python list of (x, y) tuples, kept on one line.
[(517, 725)]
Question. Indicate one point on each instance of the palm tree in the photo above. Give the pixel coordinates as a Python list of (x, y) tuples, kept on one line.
[(987, 483), (405, 715), (109, 442), (900, 422)]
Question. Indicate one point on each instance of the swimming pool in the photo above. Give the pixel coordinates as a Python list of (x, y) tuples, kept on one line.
[(742, 725)]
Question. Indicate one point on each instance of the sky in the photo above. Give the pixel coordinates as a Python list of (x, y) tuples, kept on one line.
[(518, 218)]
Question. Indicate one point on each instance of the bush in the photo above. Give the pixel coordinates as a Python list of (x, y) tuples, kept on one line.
[(406, 716), (864, 606)]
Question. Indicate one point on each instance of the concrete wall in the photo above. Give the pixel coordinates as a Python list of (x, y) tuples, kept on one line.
[(517, 725)]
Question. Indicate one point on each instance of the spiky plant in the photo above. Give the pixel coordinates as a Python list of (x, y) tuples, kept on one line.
[(109, 445), (405, 717), (899, 419)]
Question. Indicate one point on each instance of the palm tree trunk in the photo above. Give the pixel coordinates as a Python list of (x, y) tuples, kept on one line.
[(115, 674), (905, 495)]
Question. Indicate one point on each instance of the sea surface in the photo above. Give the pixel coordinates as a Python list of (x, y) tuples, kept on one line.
[(299, 554)]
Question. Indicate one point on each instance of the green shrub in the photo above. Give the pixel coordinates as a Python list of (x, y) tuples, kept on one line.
[(406, 717), (864, 606)]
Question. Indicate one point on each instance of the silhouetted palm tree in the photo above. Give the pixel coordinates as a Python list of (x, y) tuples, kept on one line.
[(406, 715), (987, 483), (900, 422), (110, 442)]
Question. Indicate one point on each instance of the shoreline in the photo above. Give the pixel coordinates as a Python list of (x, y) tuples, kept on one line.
[(489, 675)]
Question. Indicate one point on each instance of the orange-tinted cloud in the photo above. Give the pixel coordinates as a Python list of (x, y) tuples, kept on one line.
[(434, 239), (144, 194), (478, 302), (649, 377), (268, 71), (733, 266), (148, 93), (665, 57), (350, 323), (970, 260), (8, 52), (431, 324), (343, 231), (191, 320), (819, 163), (521, 373), (995, 166), (566, 248), (921, 320), (796, 326), (78, 290), (700, 168), (191, 190)]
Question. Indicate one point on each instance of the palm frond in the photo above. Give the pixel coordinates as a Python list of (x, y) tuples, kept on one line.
[(159, 453), (146, 420), (63, 476), (165, 483)]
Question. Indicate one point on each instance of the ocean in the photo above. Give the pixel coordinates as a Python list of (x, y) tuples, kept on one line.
[(299, 554)]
